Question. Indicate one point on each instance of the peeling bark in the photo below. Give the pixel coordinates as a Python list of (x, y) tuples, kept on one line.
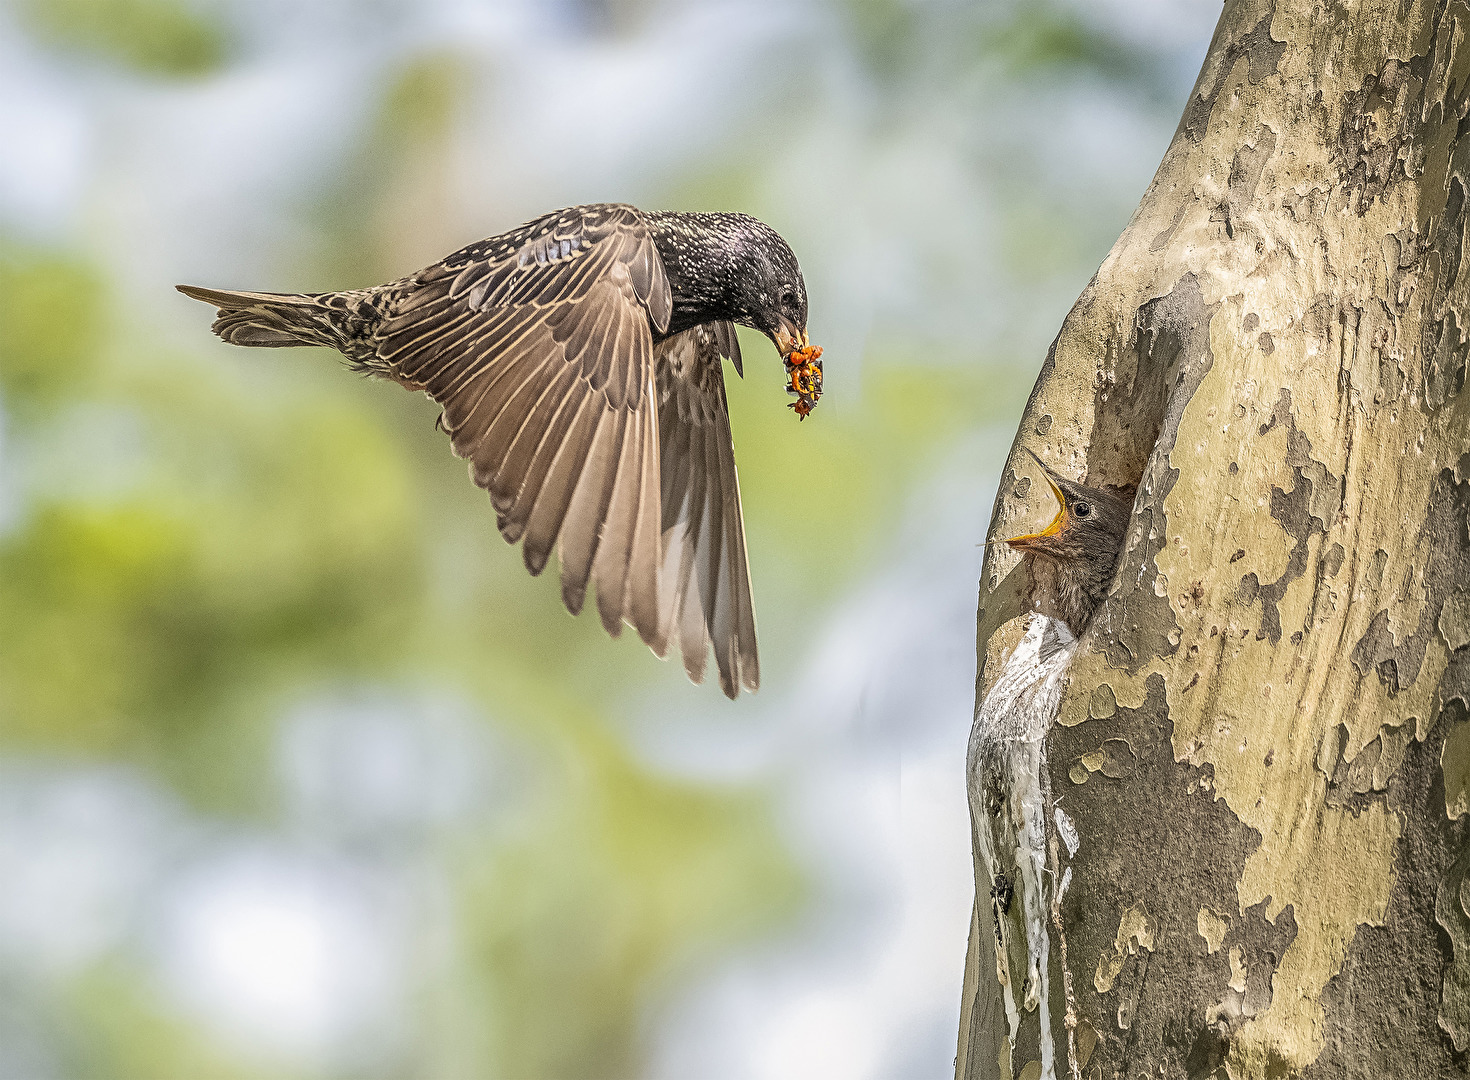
[(1257, 774)]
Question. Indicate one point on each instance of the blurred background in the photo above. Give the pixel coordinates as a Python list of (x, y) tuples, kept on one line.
[(301, 775)]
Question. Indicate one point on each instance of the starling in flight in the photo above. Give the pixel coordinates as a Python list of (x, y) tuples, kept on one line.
[(1071, 560), (578, 363)]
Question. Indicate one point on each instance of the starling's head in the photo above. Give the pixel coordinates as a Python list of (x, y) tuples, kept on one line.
[(1089, 525), (731, 267), (770, 295)]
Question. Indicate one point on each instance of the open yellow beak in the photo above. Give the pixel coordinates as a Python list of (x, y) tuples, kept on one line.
[(1030, 540), (788, 338)]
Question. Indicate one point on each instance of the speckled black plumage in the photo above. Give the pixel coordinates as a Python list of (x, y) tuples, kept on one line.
[(730, 267), (578, 360)]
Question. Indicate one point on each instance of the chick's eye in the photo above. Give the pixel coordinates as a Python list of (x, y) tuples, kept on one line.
[(1082, 509)]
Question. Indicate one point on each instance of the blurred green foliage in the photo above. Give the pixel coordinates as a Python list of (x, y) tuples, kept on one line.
[(157, 37), (1035, 38), (287, 527), (52, 308), (669, 873), (399, 168), (116, 1026), (274, 540), (1056, 37), (274, 529)]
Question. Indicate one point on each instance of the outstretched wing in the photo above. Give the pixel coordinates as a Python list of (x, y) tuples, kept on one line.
[(706, 575), (538, 346)]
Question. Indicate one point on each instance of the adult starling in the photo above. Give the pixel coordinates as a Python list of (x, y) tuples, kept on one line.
[(578, 361), (1071, 560)]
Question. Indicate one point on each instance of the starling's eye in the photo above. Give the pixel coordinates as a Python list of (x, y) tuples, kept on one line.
[(1082, 509), (787, 298)]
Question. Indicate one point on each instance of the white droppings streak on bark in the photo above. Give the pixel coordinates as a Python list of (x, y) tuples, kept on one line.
[(1006, 759)]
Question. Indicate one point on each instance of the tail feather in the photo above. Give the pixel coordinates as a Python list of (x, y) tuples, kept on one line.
[(239, 298), (274, 320)]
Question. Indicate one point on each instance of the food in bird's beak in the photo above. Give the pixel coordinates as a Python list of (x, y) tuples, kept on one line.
[(804, 372)]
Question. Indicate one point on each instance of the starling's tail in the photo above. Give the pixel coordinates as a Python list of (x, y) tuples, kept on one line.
[(272, 320)]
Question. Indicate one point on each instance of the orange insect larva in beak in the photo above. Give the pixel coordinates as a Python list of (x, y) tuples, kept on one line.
[(804, 369)]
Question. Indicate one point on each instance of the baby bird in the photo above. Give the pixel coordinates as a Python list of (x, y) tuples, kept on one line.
[(1071, 561)]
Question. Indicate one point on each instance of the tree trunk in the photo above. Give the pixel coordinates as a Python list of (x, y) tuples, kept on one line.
[(1224, 834)]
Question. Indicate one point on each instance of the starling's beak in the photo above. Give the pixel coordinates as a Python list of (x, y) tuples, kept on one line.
[(788, 337), (1032, 541)]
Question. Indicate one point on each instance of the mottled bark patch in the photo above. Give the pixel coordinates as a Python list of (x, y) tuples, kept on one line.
[(1444, 354), (1442, 350), (1383, 1007), (1157, 847), (1379, 140), (1162, 238), (1245, 177), (1140, 421), (1260, 51), (1397, 664), (1452, 899), (1354, 783), (1309, 507)]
